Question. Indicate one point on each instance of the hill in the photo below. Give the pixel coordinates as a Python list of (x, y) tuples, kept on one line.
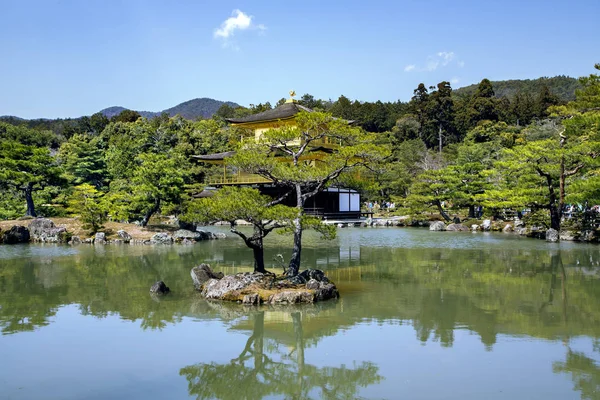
[(562, 86), (191, 109)]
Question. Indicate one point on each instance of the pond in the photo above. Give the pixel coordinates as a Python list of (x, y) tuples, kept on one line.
[(422, 315)]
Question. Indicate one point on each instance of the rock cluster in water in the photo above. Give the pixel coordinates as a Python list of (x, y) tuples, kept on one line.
[(159, 288), (256, 288)]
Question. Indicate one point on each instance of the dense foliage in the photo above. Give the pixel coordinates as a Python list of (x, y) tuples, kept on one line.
[(453, 152)]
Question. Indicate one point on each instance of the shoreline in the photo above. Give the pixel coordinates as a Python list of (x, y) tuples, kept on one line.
[(69, 231)]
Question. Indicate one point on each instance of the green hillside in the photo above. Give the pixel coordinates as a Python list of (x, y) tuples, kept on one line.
[(562, 86)]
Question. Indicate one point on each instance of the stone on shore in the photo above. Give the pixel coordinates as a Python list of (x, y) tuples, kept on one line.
[(486, 225), (507, 228), (75, 240), (43, 230), (100, 238), (159, 288), (16, 234), (567, 235), (437, 226), (124, 236), (161, 238), (457, 228), (552, 235), (205, 235)]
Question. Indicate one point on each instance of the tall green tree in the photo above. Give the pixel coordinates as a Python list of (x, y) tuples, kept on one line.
[(231, 204), (28, 169), (158, 184), (86, 202), (441, 111), (284, 156), (82, 159)]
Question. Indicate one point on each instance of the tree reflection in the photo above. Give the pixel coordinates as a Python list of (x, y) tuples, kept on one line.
[(254, 374), (584, 372)]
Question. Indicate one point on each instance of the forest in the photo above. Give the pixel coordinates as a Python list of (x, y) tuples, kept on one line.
[(447, 153)]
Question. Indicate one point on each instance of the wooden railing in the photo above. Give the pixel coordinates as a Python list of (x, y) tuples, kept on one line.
[(236, 180)]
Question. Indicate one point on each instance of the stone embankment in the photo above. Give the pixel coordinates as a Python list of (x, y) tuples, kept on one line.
[(43, 230), (254, 288), (518, 227)]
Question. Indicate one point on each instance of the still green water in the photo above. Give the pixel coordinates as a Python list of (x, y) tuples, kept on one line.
[(422, 315)]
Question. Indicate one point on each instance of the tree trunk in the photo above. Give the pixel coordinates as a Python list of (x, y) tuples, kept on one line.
[(299, 334), (258, 333), (151, 212), (294, 266), (472, 211), (441, 210), (29, 200), (555, 216), (259, 258), (440, 137)]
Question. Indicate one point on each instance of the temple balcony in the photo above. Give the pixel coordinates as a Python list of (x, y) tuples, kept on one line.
[(235, 179)]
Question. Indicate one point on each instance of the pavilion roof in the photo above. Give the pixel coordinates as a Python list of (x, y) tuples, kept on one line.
[(284, 111), (214, 156)]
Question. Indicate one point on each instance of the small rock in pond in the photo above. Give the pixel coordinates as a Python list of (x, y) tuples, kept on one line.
[(159, 288)]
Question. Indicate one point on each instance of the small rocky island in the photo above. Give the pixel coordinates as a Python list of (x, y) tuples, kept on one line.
[(256, 288)]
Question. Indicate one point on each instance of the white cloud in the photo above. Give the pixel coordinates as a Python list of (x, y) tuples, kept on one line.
[(440, 59), (454, 81), (239, 21), (445, 57)]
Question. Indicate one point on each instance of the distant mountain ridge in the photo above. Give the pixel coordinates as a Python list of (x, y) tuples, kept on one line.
[(562, 86), (192, 109)]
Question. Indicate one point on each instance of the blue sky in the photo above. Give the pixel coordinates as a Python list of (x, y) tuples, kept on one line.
[(72, 58)]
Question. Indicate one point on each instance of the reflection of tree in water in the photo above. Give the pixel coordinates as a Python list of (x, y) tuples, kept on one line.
[(255, 374), (584, 372)]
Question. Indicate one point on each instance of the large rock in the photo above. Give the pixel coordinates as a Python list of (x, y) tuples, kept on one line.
[(486, 225), (124, 236), (437, 226), (326, 291), (205, 235), (16, 234), (457, 228), (568, 235), (183, 234), (159, 288), (507, 228), (202, 274), (522, 231), (230, 286), (43, 230), (161, 238), (308, 275), (588, 236), (552, 235)]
